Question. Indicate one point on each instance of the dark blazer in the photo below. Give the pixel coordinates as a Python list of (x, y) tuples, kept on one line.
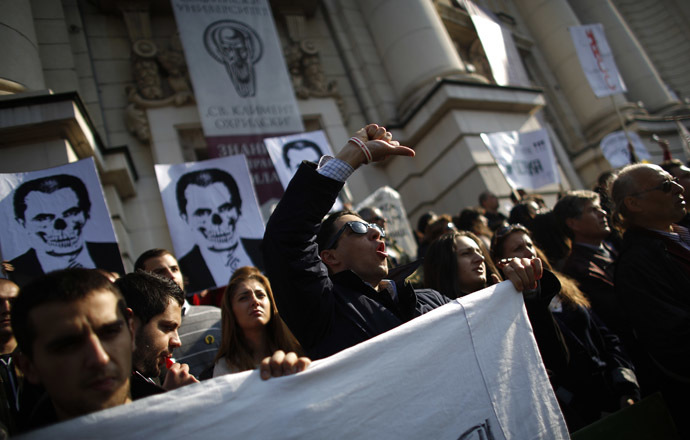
[(197, 274), (104, 255)]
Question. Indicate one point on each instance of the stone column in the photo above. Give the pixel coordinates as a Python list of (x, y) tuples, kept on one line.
[(20, 61), (412, 43), (641, 78), (548, 22)]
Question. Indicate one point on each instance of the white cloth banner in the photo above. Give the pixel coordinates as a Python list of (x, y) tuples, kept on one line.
[(467, 370), (397, 227), (236, 63), (526, 159), (597, 60), (499, 47), (615, 148)]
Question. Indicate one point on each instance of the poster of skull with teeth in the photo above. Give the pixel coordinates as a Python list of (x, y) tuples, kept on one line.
[(214, 219), (54, 219)]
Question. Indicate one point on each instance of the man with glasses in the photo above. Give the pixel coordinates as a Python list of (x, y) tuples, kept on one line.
[(653, 278), (331, 280)]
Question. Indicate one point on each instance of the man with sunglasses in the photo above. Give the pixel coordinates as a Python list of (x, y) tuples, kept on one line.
[(331, 280), (653, 280)]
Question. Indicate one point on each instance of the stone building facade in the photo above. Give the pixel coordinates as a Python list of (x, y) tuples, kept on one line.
[(108, 79)]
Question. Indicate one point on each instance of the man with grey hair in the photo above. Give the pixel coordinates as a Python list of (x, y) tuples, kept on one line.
[(653, 278), (581, 218)]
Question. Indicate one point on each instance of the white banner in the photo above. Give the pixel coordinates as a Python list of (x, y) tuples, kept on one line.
[(235, 60), (56, 218), (499, 47), (615, 148), (468, 370), (213, 217), (526, 159), (397, 227), (597, 60)]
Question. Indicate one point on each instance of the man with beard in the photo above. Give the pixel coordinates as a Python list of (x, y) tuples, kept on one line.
[(53, 210), (156, 304), (75, 339), (209, 202)]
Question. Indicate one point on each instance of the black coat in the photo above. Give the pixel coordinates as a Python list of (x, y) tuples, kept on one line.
[(327, 314)]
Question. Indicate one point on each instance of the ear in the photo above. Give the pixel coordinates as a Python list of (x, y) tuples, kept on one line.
[(571, 223), (28, 368), (632, 204), (330, 258), (129, 317)]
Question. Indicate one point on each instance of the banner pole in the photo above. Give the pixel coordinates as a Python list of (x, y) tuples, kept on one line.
[(631, 150)]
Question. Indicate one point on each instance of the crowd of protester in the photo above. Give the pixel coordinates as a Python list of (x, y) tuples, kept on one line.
[(604, 276)]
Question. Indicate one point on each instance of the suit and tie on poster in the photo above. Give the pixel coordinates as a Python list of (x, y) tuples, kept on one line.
[(54, 219), (213, 217)]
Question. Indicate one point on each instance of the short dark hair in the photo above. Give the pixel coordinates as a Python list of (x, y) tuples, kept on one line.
[(67, 285), (148, 294), (49, 185), (151, 253), (484, 196), (328, 229), (205, 178), (300, 144), (572, 205)]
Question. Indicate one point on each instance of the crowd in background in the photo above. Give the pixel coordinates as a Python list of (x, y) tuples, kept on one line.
[(609, 333)]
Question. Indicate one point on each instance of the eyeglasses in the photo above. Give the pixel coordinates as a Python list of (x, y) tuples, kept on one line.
[(665, 186), (358, 228)]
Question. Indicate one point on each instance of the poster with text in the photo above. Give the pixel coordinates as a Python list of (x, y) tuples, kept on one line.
[(615, 148), (236, 64), (213, 217), (54, 219), (597, 60), (526, 159)]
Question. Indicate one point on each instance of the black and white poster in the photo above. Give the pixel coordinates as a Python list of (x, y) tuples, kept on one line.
[(288, 152), (213, 217), (54, 219)]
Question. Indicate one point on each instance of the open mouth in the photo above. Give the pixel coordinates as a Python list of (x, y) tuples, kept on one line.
[(381, 250), (218, 237)]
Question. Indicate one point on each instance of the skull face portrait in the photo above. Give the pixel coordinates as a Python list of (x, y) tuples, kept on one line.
[(53, 210), (210, 204), (238, 48)]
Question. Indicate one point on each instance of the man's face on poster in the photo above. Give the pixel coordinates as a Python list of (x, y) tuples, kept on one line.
[(295, 157), (54, 221), (212, 215)]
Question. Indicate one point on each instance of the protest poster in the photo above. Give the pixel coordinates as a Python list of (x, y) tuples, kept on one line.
[(241, 84), (525, 159), (54, 219), (615, 148), (214, 219), (397, 226), (499, 47), (468, 370), (597, 60)]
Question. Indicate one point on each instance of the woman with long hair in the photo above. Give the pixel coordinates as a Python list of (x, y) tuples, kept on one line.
[(600, 377), (252, 328), (458, 264)]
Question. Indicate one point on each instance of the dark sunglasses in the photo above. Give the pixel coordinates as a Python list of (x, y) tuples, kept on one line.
[(357, 227), (666, 187)]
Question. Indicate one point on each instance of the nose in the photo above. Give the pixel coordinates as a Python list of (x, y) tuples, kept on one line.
[(216, 220), (175, 340), (4, 306), (375, 234), (60, 224), (478, 255), (96, 355)]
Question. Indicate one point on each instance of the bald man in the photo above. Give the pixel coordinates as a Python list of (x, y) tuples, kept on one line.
[(652, 280)]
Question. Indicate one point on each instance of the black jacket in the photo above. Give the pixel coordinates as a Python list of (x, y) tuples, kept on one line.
[(327, 314)]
